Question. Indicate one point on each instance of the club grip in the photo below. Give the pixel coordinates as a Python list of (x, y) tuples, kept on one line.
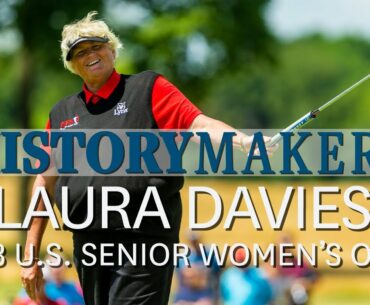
[(296, 125)]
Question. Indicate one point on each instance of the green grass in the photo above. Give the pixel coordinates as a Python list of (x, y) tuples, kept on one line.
[(8, 290), (350, 289), (337, 300)]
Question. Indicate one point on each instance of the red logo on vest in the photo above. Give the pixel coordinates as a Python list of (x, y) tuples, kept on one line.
[(69, 123)]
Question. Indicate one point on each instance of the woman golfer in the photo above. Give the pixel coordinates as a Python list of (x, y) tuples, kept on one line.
[(109, 100)]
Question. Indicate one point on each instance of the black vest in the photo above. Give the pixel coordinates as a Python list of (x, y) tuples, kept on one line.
[(134, 92)]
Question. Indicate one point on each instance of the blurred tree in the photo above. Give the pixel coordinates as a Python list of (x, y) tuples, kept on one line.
[(192, 42), (39, 24), (9, 76), (310, 71)]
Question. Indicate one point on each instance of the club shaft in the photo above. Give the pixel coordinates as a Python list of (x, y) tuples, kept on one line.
[(312, 114), (340, 95), (294, 126)]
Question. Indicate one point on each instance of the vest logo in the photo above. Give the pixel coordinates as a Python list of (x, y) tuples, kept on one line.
[(120, 109), (69, 123)]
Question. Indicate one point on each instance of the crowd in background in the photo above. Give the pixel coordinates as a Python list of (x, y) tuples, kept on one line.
[(198, 284), (201, 285)]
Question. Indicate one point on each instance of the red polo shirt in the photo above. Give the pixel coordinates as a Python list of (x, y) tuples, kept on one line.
[(105, 91), (171, 109)]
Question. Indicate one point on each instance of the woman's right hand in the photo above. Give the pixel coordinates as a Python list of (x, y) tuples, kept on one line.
[(32, 281)]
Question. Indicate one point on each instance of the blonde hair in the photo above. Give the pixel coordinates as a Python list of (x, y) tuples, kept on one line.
[(86, 27)]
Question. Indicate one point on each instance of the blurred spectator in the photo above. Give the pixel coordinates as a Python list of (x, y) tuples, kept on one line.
[(23, 299), (246, 285), (293, 284), (197, 283), (57, 290)]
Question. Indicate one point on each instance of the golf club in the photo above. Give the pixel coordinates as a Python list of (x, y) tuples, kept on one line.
[(313, 114)]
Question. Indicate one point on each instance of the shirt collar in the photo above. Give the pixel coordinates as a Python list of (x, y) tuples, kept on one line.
[(106, 90)]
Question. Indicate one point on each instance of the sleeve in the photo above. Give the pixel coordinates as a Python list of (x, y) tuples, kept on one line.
[(47, 128), (171, 109), (46, 148)]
